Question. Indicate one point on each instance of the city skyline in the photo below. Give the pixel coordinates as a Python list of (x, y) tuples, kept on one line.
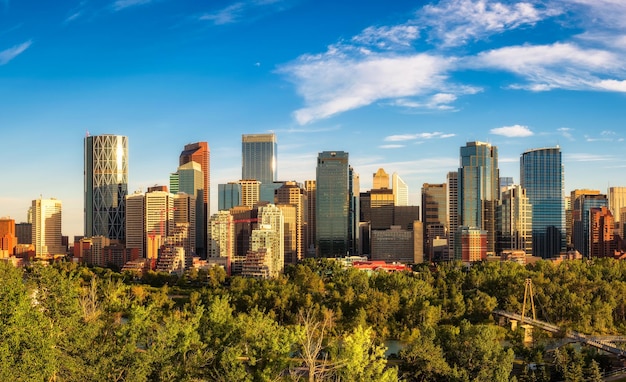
[(519, 75)]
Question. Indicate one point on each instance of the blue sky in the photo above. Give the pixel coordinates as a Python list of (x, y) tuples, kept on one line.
[(398, 84)]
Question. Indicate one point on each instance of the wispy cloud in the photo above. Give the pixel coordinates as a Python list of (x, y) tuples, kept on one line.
[(515, 131), (586, 157), (417, 136), (244, 10), (566, 132), (456, 22), (605, 136), (9, 54), (391, 146), (122, 4)]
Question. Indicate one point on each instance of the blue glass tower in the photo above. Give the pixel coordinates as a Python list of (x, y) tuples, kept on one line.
[(332, 204), (541, 174), (479, 181), (259, 162)]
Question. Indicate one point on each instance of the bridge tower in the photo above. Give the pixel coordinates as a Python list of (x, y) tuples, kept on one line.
[(528, 296)]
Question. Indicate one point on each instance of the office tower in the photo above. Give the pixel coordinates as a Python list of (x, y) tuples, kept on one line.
[(8, 239), (584, 201), (185, 224), (514, 221), (617, 200), (135, 221), (191, 182), (505, 183), (393, 245), (269, 236), (380, 180), (24, 233), (310, 191), (478, 190), (400, 191), (245, 219), (453, 210), (292, 194), (221, 235), (199, 152), (228, 195), (174, 183), (541, 175), (46, 230), (332, 204), (569, 225), (434, 215), (380, 209), (250, 192), (290, 233), (354, 187), (259, 161), (471, 244), (106, 185), (602, 242)]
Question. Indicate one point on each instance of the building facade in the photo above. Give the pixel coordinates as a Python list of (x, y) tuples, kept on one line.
[(479, 186), (46, 229), (200, 153), (514, 221), (259, 161), (106, 185), (400, 190), (332, 204), (541, 175)]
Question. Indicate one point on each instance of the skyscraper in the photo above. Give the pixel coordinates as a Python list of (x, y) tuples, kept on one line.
[(581, 217), (332, 203), (453, 210), (514, 220), (259, 157), (479, 179), (191, 182), (400, 191), (380, 180), (106, 185), (199, 152), (617, 200), (541, 174), (259, 162), (293, 195), (47, 227), (434, 215), (310, 191)]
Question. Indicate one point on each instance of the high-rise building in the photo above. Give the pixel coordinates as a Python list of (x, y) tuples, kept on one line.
[(46, 231), (332, 204), (199, 152), (270, 237), (434, 214), (221, 235), (380, 180), (617, 200), (185, 215), (601, 239), (400, 191), (290, 194), (106, 185), (228, 195), (453, 210), (250, 192), (8, 240), (135, 222), (191, 182), (541, 175), (479, 179), (354, 187), (514, 221), (581, 216), (310, 191), (259, 162), (471, 244)]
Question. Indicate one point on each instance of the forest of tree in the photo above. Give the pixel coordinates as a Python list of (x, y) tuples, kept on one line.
[(317, 322)]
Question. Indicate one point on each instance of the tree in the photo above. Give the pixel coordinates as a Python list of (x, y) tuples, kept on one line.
[(422, 359)]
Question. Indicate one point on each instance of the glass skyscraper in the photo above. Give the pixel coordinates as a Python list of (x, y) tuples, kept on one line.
[(332, 204), (541, 174), (106, 185), (479, 181), (258, 154)]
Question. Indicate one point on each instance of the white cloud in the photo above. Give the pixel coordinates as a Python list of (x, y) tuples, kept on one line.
[(585, 157), (612, 85), (455, 22), (566, 132), (515, 131), (417, 136), (559, 65), (228, 15), (9, 54), (122, 4), (331, 84), (241, 10), (605, 13), (391, 146), (388, 37)]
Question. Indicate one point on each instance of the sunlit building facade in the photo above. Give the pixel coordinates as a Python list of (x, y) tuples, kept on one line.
[(46, 229), (541, 175), (332, 204), (106, 185)]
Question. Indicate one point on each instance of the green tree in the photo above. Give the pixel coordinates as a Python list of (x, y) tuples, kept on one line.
[(422, 359)]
